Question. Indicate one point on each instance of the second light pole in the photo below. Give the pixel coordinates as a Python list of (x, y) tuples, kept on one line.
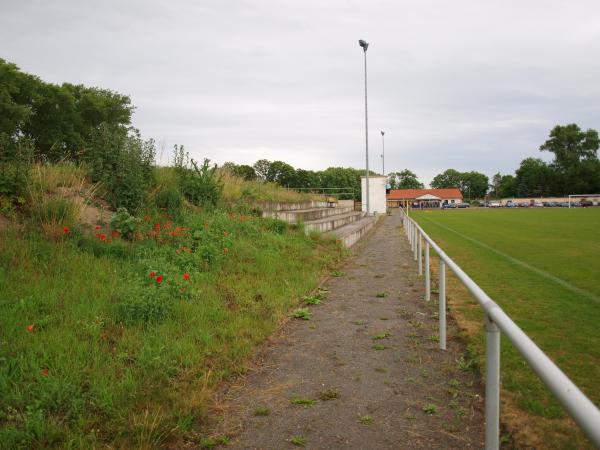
[(365, 45)]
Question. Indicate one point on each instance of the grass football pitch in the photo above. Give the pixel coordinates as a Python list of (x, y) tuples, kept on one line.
[(542, 266)]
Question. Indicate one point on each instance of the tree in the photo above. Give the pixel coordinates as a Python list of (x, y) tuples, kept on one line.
[(245, 171), (281, 173), (507, 187), (405, 179), (448, 179), (473, 184), (261, 168), (533, 178), (575, 166)]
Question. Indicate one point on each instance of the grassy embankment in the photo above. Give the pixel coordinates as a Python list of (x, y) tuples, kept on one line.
[(106, 342), (559, 310)]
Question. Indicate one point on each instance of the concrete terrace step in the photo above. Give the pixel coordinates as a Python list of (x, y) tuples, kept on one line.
[(332, 222), (309, 214), (349, 234), (273, 207)]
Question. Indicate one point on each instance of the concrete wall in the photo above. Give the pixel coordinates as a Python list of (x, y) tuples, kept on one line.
[(548, 199), (377, 199)]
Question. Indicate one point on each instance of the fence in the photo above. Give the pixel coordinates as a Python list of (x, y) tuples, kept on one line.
[(579, 407)]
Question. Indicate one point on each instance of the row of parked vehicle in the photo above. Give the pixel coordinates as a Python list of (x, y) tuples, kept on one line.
[(537, 204)]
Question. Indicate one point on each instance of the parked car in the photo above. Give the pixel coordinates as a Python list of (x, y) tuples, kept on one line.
[(523, 205), (564, 204), (586, 203), (495, 204), (462, 205), (538, 205), (482, 204)]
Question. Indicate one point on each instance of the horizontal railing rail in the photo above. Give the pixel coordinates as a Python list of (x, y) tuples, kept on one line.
[(579, 407)]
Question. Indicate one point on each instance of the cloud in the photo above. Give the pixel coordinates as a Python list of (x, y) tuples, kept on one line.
[(468, 84)]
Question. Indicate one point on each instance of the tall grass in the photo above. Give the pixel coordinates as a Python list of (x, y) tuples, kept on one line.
[(76, 373), (58, 195)]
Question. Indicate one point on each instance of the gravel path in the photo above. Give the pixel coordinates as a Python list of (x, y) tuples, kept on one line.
[(365, 372)]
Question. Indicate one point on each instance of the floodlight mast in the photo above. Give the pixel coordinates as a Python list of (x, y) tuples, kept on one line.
[(365, 45), (383, 155)]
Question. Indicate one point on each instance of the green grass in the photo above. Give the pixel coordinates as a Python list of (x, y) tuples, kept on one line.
[(115, 359), (541, 267)]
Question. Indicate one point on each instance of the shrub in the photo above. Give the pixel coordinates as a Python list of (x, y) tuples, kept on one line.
[(169, 198), (276, 226), (201, 185), (14, 171), (123, 163), (124, 223)]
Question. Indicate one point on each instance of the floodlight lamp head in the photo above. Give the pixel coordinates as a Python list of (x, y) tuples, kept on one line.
[(363, 44), (382, 133)]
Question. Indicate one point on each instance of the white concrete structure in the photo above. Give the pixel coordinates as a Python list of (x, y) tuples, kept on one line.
[(377, 200)]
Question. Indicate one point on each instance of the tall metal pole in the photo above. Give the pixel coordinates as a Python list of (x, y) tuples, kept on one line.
[(365, 45), (383, 153)]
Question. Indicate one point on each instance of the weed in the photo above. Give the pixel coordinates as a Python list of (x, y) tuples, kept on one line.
[(306, 402), (302, 313), (212, 442), (384, 318), (312, 299), (381, 295), (366, 420), (378, 347), (298, 441), (337, 273), (465, 364), (429, 408), (380, 275), (382, 335), (434, 338), (359, 322), (329, 394), (380, 369), (262, 411)]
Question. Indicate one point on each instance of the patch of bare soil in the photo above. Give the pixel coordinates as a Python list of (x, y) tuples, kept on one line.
[(365, 372)]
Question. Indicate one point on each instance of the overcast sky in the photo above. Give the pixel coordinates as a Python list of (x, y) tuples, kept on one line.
[(470, 85)]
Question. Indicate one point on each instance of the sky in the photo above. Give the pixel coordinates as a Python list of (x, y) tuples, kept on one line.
[(468, 85)]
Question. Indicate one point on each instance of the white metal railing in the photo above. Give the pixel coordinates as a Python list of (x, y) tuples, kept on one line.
[(579, 407)]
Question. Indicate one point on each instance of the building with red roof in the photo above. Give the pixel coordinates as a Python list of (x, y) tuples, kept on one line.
[(423, 198)]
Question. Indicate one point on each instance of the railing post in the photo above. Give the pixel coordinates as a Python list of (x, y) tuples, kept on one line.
[(492, 385), (415, 243), (427, 275), (442, 305), (420, 257)]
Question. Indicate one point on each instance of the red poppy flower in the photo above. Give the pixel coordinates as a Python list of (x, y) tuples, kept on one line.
[(103, 237), (98, 227), (115, 233), (186, 276), (45, 371), (225, 233), (30, 328), (152, 274), (146, 218), (225, 250), (157, 226), (66, 230), (159, 279), (178, 251)]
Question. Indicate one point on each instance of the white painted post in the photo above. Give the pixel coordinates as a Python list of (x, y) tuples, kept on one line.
[(415, 243), (420, 256), (427, 275), (442, 305), (492, 385)]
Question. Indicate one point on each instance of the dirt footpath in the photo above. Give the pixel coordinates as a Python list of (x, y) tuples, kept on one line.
[(365, 372)]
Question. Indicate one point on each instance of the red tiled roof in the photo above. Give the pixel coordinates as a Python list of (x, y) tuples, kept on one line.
[(408, 194)]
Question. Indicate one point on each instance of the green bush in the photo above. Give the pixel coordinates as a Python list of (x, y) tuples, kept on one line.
[(14, 171), (201, 185), (169, 198), (124, 223), (123, 165), (276, 226)]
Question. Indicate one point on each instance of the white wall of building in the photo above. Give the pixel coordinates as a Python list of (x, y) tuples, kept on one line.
[(377, 200)]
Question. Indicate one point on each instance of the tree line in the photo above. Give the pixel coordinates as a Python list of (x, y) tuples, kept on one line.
[(574, 170)]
